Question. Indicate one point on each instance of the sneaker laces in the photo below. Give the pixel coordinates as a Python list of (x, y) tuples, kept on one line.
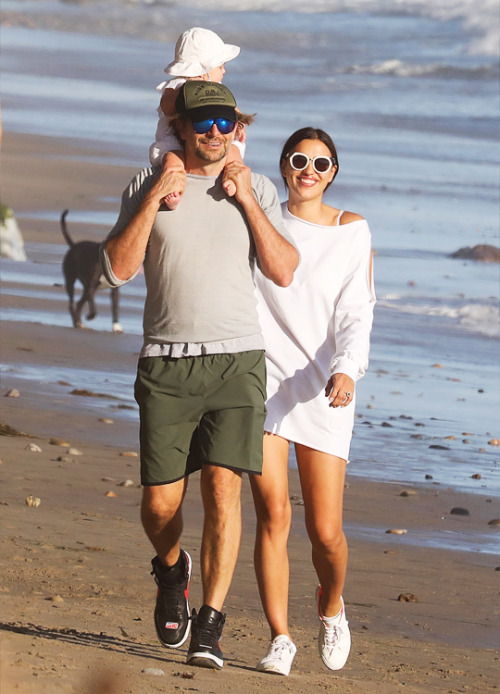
[(277, 649), (333, 634), (208, 629), (175, 592)]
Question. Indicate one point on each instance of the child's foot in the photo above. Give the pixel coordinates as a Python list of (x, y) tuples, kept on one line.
[(172, 200), (230, 188)]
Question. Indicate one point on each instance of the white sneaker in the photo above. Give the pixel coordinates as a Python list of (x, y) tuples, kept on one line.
[(279, 658), (334, 638)]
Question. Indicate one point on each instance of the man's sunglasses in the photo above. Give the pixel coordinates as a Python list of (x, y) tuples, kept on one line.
[(224, 126), (321, 165)]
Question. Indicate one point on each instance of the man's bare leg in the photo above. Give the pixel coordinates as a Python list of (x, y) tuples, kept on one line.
[(161, 514), (221, 495)]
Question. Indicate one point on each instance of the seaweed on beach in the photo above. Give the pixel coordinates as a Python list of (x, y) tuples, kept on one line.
[(7, 430)]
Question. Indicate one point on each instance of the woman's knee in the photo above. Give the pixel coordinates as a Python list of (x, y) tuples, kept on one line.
[(327, 540), (274, 513)]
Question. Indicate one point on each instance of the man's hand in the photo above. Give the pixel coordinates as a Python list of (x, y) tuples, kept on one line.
[(237, 174), (170, 182), (339, 390)]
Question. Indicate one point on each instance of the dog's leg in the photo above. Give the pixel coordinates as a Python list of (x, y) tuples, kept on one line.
[(89, 294), (85, 297), (117, 328), (70, 288)]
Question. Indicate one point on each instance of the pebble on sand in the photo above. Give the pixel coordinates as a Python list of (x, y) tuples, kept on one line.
[(495, 523), (129, 454), (110, 494), (407, 597), (55, 441), (74, 451), (33, 448), (32, 501), (126, 483), (152, 671), (408, 492), (476, 476), (13, 393), (106, 420), (494, 442), (396, 531)]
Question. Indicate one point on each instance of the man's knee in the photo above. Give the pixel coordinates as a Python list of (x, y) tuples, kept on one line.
[(162, 501), (221, 487)]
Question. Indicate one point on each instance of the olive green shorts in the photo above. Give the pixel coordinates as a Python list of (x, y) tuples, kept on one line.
[(195, 410)]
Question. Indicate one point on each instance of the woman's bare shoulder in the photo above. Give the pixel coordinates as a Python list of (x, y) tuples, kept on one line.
[(348, 217)]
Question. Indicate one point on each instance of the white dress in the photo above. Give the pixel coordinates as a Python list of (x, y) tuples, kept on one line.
[(317, 326)]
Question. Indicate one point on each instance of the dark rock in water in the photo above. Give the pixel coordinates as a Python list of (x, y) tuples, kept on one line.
[(438, 447), (495, 523), (483, 252), (459, 511)]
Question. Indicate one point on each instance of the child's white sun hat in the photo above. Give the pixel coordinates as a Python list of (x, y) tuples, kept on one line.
[(198, 51)]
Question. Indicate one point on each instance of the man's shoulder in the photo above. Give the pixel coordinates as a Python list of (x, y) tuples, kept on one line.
[(141, 181), (262, 185), (260, 178)]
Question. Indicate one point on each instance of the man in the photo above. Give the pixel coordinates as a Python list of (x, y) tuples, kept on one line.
[(201, 376)]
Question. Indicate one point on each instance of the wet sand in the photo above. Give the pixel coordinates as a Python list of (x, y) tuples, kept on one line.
[(76, 593)]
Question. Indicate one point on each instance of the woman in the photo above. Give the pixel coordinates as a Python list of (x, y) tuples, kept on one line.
[(317, 342)]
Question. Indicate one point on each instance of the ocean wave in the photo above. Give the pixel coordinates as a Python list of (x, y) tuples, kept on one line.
[(483, 319), (480, 18), (399, 68)]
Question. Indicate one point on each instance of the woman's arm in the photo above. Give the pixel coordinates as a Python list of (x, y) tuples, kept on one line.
[(353, 315)]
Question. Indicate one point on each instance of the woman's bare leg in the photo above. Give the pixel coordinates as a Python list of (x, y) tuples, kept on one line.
[(272, 505), (322, 478)]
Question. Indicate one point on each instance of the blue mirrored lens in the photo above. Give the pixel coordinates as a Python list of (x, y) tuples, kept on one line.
[(223, 125)]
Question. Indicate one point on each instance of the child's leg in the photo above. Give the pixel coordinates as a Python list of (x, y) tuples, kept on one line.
[(173, 161), (234, 155)]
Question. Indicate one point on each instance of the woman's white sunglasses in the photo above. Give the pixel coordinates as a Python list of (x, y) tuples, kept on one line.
[(321, 164)]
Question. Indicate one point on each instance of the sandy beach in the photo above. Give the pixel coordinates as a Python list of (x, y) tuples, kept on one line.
[(77, 597)]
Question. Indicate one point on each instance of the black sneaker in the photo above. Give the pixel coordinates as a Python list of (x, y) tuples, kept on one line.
[(172, 620), (204, 649)]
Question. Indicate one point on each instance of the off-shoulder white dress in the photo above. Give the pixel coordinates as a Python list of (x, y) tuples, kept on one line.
[(317, 326)]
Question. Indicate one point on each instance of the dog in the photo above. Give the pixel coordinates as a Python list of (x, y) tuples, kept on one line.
[(81, 262)]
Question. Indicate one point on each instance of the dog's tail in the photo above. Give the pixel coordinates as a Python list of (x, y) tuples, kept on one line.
[(64, 229)]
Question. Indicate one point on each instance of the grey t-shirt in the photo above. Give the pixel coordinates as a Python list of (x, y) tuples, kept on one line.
[(199, 261)]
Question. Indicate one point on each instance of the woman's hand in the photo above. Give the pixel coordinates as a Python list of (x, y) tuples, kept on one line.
[(339, 390)]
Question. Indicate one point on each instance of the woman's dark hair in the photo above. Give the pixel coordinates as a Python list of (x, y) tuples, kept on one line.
[(308, 133)]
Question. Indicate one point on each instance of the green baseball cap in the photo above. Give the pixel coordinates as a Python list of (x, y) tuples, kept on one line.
[(199, 99)]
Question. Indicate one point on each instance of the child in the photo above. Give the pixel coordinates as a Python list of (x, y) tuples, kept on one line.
[(200, 54)]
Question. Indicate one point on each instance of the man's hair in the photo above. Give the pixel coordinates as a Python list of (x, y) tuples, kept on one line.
[(308, 133)]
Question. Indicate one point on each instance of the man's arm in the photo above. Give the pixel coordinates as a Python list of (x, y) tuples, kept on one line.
[(277, 257), (127, 249)]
